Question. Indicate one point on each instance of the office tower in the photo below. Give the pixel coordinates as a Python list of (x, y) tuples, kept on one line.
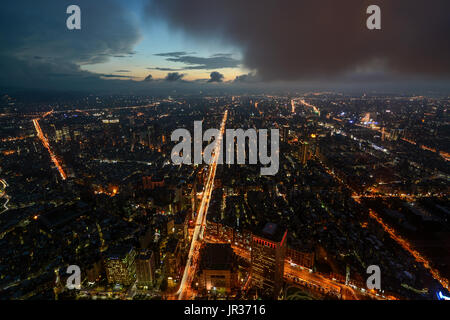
[(76, 135), (267, 260), (58, 135), (152, 182), (314, 146), (284, 133), (120, 265), (66, 133), (304, 152), (218, 268), (145, 268), (151, 136)]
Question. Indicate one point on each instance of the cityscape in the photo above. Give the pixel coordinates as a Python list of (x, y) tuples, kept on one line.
[(93, 207), (95, 187)]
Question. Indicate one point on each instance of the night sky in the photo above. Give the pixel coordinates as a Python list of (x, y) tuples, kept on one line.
[(203, 43)]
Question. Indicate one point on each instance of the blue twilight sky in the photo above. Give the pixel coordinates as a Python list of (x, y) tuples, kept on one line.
[(157, 37)]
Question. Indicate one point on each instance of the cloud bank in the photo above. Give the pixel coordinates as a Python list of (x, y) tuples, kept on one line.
[(292, 40), (38, 49), (217, 61)]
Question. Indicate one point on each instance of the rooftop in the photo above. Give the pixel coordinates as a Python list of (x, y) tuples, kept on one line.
[(217, 256), (271, 231)]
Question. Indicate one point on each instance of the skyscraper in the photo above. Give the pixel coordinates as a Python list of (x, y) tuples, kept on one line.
[(120, 265), (304, 153), (267, 260), (284, 133), (218, 268), (145, 268)]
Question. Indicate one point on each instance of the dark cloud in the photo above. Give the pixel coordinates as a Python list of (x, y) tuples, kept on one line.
[(297, 39), (123, 71), (216, 77), (115, 76), (214, 62), (148, 78), (165, 69), (173, 54), (174, 76), (246, 78), (36, 44), (222, 55), (128, 55)]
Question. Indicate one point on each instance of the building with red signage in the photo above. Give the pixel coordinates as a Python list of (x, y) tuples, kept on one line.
[(267, 260)]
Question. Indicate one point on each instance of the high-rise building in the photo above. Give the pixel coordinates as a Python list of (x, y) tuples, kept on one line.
[(151, 136), (218, 268), (284, 133), (267, 260), (152, 182), (66, 133), (58, 135), (145, 268), (304, 153), (120, 265)]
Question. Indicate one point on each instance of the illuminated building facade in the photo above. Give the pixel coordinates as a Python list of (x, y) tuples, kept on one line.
[(120, 266), (284, 133), (267, 260), (145, 268), (218, 268), (152, 182), (304, 153)]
